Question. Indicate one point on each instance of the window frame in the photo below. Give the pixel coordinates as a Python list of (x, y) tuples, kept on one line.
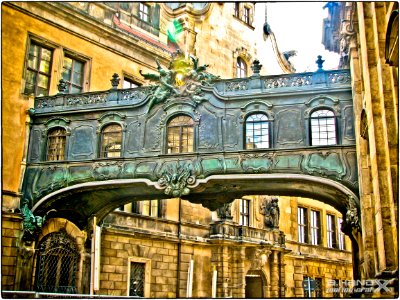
[(302, 228), (241, 68), (43, 45), (268, 129), (236, 9), (170, 144), (131, 81), (331, 240), (147, 274), (341, 236), (246, 15), (313, 140), (70, 82), (101, 141), (143, 15), (315, 227), (65, 135), (244, 214)]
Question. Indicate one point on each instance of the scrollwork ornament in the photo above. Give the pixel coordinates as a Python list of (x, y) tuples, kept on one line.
[(352, 221), (32, 224), (175, 180)]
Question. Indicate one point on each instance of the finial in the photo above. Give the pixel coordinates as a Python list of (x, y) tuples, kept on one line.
[(319, 62), (256, 67), (115, 81), (62, 86)]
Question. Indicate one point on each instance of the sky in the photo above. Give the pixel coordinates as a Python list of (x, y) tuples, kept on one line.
[(298, 26)]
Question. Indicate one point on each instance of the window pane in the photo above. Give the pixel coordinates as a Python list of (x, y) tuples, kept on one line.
[(111, 141)]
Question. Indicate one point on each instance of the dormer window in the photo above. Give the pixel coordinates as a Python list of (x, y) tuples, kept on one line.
[(144, 12)]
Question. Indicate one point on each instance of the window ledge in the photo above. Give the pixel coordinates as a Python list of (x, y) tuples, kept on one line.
[(248, 25)]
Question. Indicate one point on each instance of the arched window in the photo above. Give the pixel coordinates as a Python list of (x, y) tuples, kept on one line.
[(56, 138), (111, 141), (323, 128), (257, 131), (57, 264), (180, 135), (241, 68)]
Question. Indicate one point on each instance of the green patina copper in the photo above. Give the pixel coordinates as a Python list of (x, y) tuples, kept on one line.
[(183, 78), (32, 224)]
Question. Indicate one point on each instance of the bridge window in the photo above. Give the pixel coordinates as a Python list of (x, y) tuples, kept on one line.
[(180, 135), (57, 264), (257, 131), (323, 128), (241, 68), (315, 227), (56, 139), (111, 141), (302, 224), (331, 231), (244, 212)]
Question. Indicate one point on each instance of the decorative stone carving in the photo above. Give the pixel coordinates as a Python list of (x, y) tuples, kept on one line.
[(256, 67), (86, 99), (62, 86), (352, 220), (176, 179), (224, 212), (270, 209), (259, 258)]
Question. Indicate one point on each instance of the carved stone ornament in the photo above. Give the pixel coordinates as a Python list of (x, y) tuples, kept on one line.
[(224, 212), (260, 258), (176, 179), (352, 221), (182, 79)]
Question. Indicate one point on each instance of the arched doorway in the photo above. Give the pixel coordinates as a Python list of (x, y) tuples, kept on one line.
[(255, 284)]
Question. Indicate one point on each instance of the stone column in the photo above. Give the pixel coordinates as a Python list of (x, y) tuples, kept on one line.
[(275, 274)]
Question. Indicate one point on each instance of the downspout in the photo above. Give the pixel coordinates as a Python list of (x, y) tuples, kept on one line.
[(178, 277)]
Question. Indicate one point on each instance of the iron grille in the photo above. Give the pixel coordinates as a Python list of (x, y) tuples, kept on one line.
[(136, 287), (57, 264)]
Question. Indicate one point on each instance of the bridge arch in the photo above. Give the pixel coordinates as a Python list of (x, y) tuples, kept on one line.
[(80, 202)]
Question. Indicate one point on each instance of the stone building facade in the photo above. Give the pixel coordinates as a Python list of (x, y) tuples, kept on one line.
[(165, 242), (366, 36)]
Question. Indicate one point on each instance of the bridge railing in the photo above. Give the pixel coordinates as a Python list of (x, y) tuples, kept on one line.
[(136, 96)]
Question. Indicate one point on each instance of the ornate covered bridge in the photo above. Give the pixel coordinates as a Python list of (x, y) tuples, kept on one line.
[(195, 136)]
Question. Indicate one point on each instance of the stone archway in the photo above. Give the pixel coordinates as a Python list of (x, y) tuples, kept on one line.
[(255, 284)]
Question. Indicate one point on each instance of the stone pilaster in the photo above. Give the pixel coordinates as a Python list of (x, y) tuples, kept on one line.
[(275, 274)]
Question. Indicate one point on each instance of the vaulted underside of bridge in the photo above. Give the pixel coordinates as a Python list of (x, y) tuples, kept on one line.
[(221, 166)]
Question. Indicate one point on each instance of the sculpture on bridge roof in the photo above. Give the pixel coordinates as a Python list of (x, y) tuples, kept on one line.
[(183, 78)]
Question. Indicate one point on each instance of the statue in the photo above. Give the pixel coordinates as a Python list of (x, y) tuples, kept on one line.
[(270, 210), (224, 212), (183, 79), (165, 89)]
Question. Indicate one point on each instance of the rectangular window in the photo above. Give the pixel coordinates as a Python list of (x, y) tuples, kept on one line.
[(330, 231), (236, 9), (129, 84), (136, 283), (315, 228), (144, 12), (336, 289), (341, 235), (151, 208), (73, 74), (38, 70), (246, 15), (302, 224), (244, 218)]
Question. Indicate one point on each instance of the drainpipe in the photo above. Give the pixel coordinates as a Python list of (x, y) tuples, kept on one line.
[(178, 277)]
